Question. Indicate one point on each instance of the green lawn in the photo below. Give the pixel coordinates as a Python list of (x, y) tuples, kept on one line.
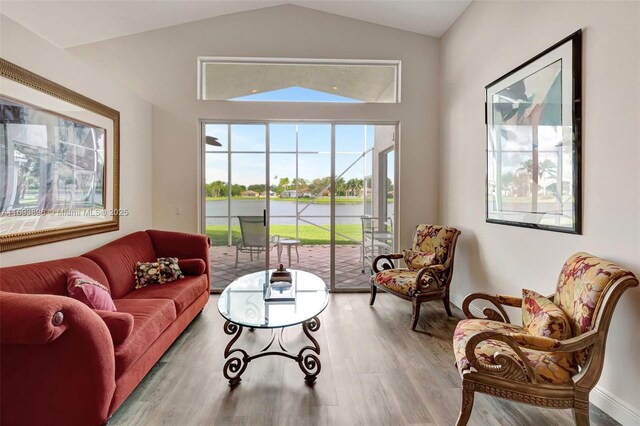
[(323, 200), (308, 234), (320, 200)]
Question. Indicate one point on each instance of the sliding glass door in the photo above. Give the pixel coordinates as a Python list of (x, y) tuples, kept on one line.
[(321, 186), (235, 199)]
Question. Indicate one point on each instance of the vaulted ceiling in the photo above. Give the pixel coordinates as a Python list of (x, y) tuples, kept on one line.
[(74, 23)]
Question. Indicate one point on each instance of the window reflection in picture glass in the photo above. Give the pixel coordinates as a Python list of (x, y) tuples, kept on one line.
[(51, 162), (59, 162), (533, 142)]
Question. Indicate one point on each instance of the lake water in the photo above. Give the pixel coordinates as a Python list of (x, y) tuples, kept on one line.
[(244, 207)]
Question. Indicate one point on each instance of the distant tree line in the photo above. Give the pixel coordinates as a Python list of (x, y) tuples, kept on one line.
[(345, 188)]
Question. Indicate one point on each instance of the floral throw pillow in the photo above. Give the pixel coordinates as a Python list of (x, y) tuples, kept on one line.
[(147, 273), (416, 260), (542, 317), (169, 269)]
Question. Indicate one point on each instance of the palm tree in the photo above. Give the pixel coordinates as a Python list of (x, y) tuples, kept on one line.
[(353, 186), (341, 186), (217, 189), (284, 183), (299, 183), (359, 184), (548, 167)]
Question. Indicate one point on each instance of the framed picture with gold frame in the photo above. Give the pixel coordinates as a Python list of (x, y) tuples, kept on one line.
[(59, 152)]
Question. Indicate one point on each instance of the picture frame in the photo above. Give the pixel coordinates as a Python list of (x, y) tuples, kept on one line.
[(533, 119), (59, 152)]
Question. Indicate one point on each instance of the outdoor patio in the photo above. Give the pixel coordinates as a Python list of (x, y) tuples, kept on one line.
[(312, 258)]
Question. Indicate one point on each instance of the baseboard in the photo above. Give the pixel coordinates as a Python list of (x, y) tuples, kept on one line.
[(613, 406), (622, 412)]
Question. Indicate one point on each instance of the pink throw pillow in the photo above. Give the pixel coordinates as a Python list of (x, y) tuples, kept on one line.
[(89, 291)]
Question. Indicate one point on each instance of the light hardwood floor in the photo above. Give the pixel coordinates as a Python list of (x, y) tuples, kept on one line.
[(375, 371)]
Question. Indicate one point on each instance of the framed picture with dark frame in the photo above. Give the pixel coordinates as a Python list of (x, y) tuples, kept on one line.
[(533, 118)]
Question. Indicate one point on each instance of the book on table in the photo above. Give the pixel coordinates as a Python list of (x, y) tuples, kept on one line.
[(280, 275), (280, 291)]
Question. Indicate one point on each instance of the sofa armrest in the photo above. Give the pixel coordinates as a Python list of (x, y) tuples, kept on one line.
[(31, 319), (183, 246), (54, 350)]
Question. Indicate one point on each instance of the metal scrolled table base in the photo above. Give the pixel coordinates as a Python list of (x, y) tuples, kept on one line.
[(307, 358)]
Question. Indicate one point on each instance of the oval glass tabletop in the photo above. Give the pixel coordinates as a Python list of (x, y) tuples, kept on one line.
[(242, 302)]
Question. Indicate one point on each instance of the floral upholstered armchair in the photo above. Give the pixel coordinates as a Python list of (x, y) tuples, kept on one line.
[(555, 358), (428, 273)]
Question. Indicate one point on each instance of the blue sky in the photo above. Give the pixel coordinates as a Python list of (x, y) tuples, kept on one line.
[(296, 94), (249, 168)]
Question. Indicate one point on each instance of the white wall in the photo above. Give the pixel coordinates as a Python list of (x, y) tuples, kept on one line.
[(26, 49), (161, 66), (489, 39)]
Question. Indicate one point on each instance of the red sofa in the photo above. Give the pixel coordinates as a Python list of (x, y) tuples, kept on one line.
[(58, 361)]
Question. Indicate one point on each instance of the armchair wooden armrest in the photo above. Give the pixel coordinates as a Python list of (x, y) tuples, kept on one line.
[(497, 300), (387, 261), (541, 343), (429, 277), (506, 367)]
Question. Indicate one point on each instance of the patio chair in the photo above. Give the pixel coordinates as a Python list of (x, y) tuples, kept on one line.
[(555, 359), (253, 238), (376, 239), (428, 273)]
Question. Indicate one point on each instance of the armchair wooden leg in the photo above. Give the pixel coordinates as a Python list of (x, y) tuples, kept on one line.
[(447, 304), (236, 257), (581, 417), (581, 409), (374, 291), (467, 406), (416, 314)]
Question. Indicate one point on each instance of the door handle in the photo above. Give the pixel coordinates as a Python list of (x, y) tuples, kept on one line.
[(264, 217)]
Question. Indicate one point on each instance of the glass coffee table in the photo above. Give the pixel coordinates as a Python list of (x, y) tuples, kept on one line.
[(242, 304)]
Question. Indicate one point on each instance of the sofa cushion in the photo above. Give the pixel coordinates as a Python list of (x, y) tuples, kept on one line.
[(120, 324), (48, 277), (89, 291), (150, 318), (192, 266), (118, 261), (182, 292)]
